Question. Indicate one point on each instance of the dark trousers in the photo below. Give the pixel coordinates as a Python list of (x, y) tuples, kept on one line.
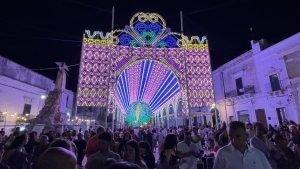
[(79, 159)]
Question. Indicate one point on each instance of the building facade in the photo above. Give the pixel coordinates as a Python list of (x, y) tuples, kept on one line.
[(261, 85), (22, 94)]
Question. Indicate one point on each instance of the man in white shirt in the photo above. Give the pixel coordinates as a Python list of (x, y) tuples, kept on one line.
[(237, 154), (196, 139), (188, 152)]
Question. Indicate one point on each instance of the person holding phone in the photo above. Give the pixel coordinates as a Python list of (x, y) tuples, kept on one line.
[(189, 152)]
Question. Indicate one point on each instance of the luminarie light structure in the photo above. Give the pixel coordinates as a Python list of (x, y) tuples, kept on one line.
[(144, 64)]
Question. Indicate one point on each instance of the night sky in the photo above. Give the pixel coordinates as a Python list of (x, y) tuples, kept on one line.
[(36, 34)]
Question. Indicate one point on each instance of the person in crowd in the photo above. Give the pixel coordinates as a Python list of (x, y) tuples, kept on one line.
[(9, 141), (2, 165), (196, 139), (284, 127), (65, 133), (57, 158), (287, 158), (211, 136), (17, 132), (189, 152), (167, 155), (57, 133), (160, 137), (124, 165), (66, 144), (262, 143), (147, 155), (81, 145), (132, 154), (126, 137), (97, 160), (149, 138), (16, 157), (250, 131), (92, 146), (155, 137), (42, 147), (237, 154), (140, 136), (86, 135), (133, 135), (109, 162), (30, 146), (2, 132), (223, 139)]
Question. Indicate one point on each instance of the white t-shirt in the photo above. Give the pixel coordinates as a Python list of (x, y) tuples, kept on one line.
[(154, 136), (191, 162), (229, 158), (199, 144)]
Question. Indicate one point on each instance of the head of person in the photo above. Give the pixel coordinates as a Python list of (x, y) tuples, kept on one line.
[(123, 165), (280, 140), (57, 157), (195, 130), (79, 136), (169, 143), (100, 130), (259, 129), (144, 148), (105, 141), (127, 136), (44, 140), (18, 142), (132, 151), (66, 144), (188, 137), (237, 134), (293, 130)]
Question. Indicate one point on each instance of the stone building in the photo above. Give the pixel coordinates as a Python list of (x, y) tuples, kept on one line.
[(22, 94), (262, 84)]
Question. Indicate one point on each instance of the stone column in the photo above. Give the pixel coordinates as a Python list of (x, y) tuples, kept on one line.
[(168, 117)]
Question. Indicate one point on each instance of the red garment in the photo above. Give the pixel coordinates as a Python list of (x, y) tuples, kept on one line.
[(92, 146), (216, 149)]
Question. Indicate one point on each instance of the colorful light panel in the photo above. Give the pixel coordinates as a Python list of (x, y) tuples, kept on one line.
[(139, 113), (143, 89)]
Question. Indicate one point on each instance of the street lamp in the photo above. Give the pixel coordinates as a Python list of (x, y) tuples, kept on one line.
[(4, 113)]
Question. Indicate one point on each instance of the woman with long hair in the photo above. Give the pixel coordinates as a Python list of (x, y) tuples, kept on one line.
[(167, 155), (126, 137), (16, 156), (147, 154), (132, 154)]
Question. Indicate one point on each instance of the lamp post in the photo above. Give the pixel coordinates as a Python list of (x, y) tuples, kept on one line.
[(4, 113)]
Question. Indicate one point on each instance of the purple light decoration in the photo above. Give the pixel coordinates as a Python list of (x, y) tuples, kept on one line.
[(157, 76), (134, 72)]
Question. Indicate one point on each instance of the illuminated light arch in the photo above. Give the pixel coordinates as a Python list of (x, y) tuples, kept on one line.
[(105, 56)]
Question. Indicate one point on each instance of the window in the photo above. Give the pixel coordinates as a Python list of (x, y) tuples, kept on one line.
[(27, 108), (281, 114), (239, 86), (275, 85)]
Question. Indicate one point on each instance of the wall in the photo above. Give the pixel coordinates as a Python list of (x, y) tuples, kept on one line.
[(18, 72), (14, 95)]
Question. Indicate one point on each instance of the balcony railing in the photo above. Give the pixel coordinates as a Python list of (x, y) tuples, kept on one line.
[(233, 93)]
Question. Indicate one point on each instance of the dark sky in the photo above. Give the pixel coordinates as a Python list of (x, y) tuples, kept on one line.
[(38, 33)]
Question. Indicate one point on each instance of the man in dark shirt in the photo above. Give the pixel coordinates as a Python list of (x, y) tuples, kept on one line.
[(65, 133), (81, 145), (2, 132)]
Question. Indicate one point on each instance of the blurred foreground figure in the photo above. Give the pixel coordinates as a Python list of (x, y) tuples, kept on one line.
[(57, 158), (237, 154)]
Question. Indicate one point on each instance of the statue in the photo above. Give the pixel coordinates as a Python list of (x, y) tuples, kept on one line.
[(53, 113)]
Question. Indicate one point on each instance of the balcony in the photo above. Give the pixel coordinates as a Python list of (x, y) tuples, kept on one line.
[(246, 90)]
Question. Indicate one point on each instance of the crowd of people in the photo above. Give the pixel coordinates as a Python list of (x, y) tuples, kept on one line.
[(235, 146)]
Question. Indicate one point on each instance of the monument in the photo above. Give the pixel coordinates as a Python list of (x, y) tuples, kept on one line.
[(53, 114)]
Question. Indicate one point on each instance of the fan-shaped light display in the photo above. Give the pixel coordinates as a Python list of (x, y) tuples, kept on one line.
[(148, 82), (139, 113)]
